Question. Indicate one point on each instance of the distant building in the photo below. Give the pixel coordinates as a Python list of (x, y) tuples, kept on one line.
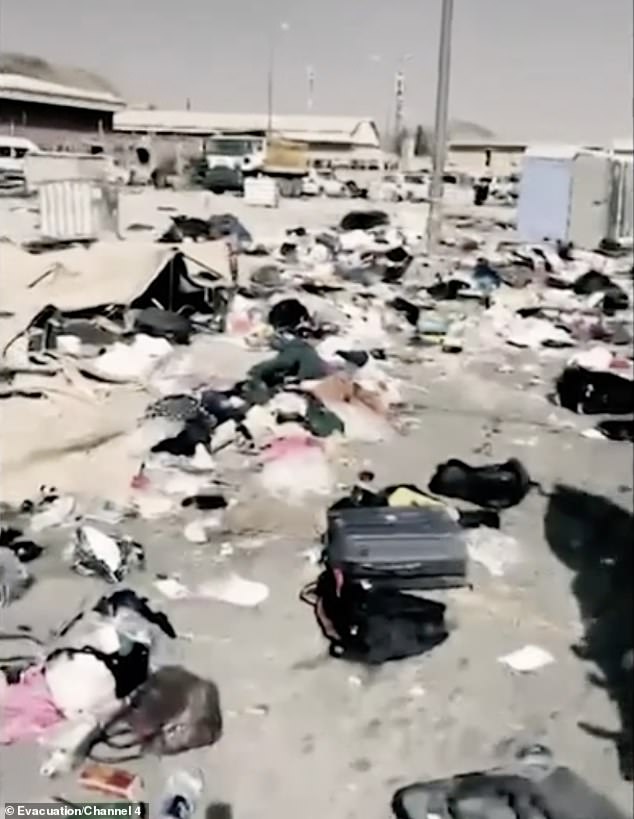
[(623, 147), (52, 114), (331, 140), (478, 157)]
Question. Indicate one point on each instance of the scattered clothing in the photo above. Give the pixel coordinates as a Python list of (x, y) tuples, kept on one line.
[(296, 361), (495, 486), (529, 658), (289, 315), (205, 502), (618, 429), (235, 590), (364, 220), (154, 321), (591, 393), (98, 553), (26, 707)]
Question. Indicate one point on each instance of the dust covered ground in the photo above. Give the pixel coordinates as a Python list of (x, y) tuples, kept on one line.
[(313, 736)]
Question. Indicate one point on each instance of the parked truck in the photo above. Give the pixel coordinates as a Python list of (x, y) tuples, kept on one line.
[(230, 159)]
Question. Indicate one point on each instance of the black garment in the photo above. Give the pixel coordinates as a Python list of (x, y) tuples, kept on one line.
[(165, 324), (585, 391), (220, 407), (196, 431), (127, 598), (226, 224), (469, 519), (618, 429), (191, 227), (449, 290), (480, 193), (564, 251), (289, 315), (398, 255), (24, 550), (364, 220), (356, 357), (206, 502), (592, 282), (409, 310), (374, 626), (495, 486)]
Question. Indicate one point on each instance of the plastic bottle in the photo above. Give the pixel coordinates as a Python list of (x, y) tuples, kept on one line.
[(181, 795)]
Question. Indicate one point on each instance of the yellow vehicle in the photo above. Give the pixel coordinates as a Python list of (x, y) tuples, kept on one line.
[(231, 158)]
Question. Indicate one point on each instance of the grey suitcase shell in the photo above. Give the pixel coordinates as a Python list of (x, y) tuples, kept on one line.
[(415, 548)]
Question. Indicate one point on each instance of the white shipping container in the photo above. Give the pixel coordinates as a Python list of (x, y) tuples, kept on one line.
[(564, 195)]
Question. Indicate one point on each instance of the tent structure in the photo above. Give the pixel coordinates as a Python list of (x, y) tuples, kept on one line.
[(83, 280)]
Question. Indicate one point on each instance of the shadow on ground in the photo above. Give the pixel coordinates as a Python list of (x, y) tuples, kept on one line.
[(593, 537)]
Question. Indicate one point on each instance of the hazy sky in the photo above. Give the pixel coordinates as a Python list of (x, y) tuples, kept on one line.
[(534, 69)]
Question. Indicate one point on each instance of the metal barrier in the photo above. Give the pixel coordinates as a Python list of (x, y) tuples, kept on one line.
[(72, 209)]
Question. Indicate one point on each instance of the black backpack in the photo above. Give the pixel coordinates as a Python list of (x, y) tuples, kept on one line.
[(373, 625)]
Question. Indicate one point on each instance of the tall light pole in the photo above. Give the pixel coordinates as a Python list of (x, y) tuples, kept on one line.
[(399, 97), (434, 219), (270, 77)]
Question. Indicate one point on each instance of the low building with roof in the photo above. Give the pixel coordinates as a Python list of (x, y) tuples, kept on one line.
[(489, 155), (331, 140), (42, 103)]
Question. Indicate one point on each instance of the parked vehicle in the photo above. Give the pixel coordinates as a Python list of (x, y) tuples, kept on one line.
[(234, 158), (12, 153), (401, 187), (323, 183)]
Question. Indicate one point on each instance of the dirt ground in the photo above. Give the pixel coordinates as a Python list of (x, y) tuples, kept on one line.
[(307, 735)]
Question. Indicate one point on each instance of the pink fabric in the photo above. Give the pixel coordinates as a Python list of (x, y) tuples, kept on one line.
[(26, 708), (290, 445)]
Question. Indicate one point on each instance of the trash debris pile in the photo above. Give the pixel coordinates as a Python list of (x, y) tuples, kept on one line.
[(221, 385)]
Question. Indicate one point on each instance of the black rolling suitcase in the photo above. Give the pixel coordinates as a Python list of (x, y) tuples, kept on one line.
[(408, 548)]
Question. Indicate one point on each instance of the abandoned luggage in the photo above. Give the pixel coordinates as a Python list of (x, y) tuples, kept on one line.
[(411, 548), (374, 625), (558, 793)]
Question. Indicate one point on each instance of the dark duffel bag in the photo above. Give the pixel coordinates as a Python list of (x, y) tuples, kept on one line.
[(373, 625)]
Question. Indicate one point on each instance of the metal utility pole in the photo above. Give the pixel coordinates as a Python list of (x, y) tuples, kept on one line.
[(399, 96), (310, 77), (270, 77), (434, 220), (269, 87)]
